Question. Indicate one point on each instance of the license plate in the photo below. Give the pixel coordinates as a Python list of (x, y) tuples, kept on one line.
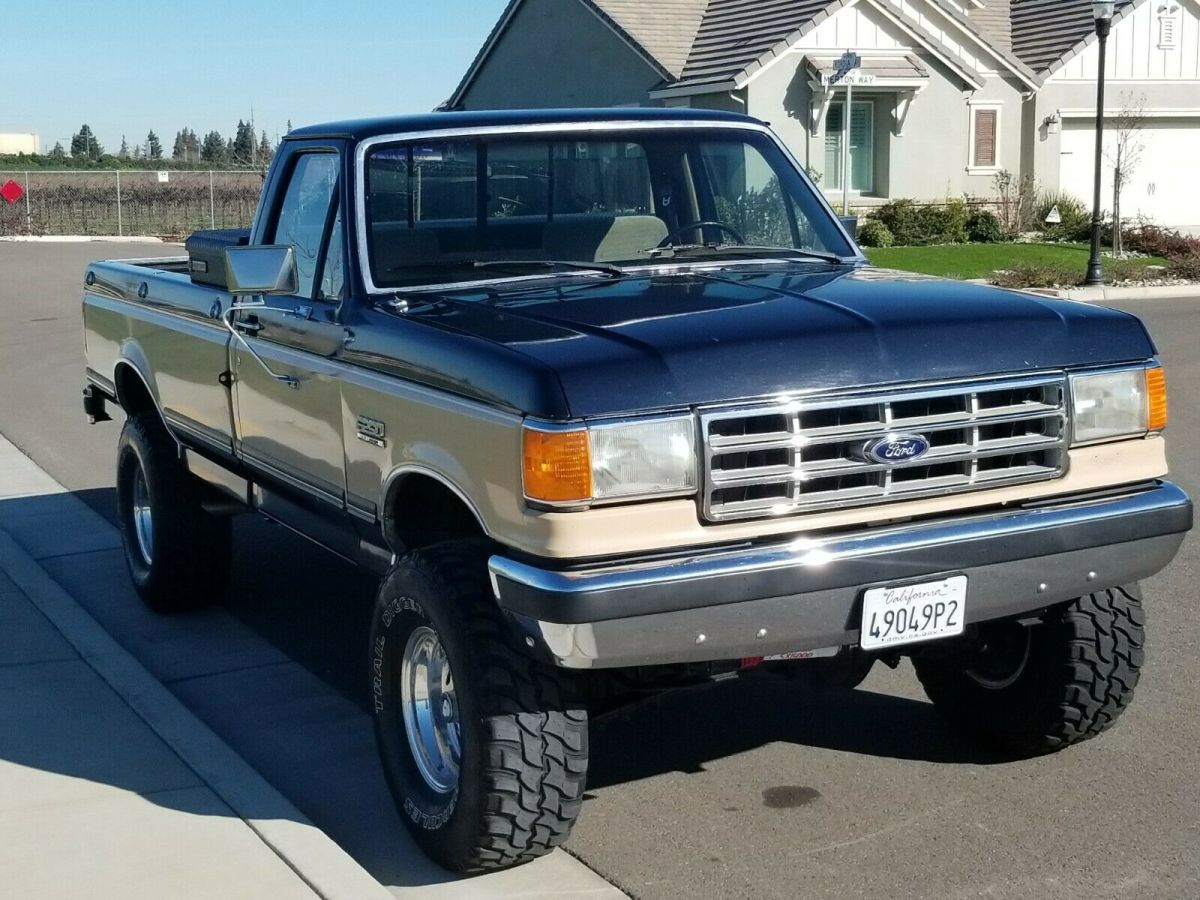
[(913, 612)]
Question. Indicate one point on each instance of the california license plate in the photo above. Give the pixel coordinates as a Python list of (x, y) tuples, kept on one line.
[(909, 613)]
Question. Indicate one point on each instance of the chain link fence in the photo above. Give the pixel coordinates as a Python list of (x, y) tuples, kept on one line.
[(129, 202)]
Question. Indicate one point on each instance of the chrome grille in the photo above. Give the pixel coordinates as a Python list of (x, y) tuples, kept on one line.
[(810, 455)]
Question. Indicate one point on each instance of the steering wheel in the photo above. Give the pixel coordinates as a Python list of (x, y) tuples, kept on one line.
[(693, 226)]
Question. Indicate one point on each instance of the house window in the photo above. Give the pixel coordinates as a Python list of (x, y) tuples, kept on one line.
[(862, 146), (985, 138)]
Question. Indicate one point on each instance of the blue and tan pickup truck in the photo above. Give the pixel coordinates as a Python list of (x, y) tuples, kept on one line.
[(611, 401)]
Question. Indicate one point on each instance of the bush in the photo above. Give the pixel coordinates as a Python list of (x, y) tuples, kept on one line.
[(1186, 267), (984, 228), (1016, 202), (1156, 241), (873, 233), (1076, 222), (1044, 276), (915, 226)]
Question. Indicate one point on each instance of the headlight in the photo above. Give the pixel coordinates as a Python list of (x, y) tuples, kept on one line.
[(1125, 403), (621, 460)]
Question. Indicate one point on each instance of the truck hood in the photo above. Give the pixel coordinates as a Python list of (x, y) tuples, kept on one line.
[(677, 340)]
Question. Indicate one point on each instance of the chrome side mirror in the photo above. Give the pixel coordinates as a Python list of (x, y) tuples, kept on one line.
[(261, 270)]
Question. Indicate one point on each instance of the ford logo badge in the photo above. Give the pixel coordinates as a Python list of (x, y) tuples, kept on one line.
[(896, 448)]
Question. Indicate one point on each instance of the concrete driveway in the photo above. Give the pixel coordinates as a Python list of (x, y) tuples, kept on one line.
[(747, 788)]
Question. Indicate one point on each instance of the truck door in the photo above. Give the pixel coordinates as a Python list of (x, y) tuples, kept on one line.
[(288, 403)]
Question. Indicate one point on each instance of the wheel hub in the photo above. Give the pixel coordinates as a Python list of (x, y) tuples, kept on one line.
[(431, 720), (143, 519), (1001, 656)]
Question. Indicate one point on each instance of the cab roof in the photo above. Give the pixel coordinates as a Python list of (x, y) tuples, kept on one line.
[(360, 129)]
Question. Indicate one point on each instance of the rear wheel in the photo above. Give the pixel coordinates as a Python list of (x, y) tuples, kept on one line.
[(178, 554), (484, 748), (1042, 687)]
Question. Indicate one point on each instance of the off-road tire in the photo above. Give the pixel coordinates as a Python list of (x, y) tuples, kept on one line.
[(190, 561), (523, 724), (1083, 665)]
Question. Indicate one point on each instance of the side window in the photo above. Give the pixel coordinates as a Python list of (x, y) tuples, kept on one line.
[(305, 213), (333, 273)]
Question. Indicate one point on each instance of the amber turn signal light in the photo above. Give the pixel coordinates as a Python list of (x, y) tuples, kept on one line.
[(1156, 393), (557, 466)]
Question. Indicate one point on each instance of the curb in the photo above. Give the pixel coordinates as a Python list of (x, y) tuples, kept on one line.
[(1162, 292), (320, 863), (77, 238)]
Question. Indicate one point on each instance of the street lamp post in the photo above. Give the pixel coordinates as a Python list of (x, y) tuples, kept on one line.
[(1103, 14)]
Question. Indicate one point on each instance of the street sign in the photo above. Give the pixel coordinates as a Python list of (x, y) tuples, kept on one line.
[(164, 177), (12, 192), (1054, 217), (847, 62)]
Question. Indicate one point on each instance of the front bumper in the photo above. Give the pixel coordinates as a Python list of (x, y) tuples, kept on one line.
[(806, 594)]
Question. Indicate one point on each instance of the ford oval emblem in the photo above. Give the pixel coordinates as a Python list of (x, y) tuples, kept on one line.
[(896, 448)]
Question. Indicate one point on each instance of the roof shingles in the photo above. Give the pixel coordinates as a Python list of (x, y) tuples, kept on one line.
[(664, 28), (1044, 31)]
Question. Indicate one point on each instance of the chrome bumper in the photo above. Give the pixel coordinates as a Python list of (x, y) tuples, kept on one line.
[(806, 594)]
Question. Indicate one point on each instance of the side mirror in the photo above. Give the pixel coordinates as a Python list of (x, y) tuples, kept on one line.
[(261, 270)]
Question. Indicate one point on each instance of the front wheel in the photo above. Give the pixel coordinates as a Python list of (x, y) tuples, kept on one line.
[(485, 749), (1031, 689)]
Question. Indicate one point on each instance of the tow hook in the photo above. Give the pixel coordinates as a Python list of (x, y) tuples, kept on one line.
[(93, 406)]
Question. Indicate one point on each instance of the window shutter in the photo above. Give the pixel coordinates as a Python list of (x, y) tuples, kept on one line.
[(985, 137)]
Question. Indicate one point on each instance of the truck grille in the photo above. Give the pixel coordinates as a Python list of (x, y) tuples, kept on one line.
[(811, 455)]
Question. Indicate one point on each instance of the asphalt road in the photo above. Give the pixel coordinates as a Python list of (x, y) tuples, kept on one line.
[(747, 788)]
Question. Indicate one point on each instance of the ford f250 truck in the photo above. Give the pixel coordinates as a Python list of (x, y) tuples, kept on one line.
[(611, 401)]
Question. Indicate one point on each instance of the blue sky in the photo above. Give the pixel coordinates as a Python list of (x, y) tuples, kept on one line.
[(125, 67)]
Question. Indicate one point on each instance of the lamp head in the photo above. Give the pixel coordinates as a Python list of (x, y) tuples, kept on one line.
[(1103, 11)]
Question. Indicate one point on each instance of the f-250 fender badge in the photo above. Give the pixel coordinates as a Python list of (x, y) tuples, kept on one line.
[(372, 431)]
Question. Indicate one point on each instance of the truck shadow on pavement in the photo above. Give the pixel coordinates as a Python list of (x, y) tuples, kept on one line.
[(277, 671)]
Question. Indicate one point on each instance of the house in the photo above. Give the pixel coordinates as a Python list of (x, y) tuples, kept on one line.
[(948, 94)]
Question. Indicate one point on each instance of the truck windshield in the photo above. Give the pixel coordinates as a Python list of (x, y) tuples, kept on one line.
[(440, 212)]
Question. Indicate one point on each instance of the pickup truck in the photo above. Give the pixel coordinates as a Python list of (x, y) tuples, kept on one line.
[(612, 402)]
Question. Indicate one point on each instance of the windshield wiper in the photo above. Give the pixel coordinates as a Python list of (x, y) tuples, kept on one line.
[(611, 271), (752, 251)]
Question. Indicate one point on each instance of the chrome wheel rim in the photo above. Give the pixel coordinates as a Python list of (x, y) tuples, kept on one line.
[(431, 716), (1002, 658), (143, 519)]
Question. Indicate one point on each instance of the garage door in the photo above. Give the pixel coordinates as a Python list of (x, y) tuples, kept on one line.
[(1162, 189)]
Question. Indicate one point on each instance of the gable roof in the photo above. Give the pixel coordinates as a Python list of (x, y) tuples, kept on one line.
[(665, 28), (739, 37), (1045, 32)]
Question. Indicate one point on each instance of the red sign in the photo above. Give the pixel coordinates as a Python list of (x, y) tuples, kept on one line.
[(12, 192)]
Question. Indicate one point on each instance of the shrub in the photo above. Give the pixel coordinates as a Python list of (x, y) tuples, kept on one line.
[(1186, 267), (984, 228), (1076, 222), (1034, 276), (873, 233), (1016, 199), (1156, 241), (914, 226)]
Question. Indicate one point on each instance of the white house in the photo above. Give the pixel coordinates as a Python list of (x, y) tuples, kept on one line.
[(949, 93)]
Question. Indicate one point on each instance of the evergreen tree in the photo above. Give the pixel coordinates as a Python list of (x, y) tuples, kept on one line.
[(123, 153), (289, 127), (179, 148), (243, 145), (138, 153), (213, 148), (58, 154), (84, 143), (153, 146), (265, 151)]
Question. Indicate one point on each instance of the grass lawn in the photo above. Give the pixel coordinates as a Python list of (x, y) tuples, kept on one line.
[(981, 260)]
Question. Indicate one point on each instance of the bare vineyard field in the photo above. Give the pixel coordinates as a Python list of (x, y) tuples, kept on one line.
[(57, 203)]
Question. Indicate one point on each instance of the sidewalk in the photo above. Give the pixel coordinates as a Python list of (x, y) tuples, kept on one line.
[(113, 785), (109, 787)]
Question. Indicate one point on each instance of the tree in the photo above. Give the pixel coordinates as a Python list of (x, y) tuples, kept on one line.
[(213, 148), (1125, 156), (187, 146), (243, 144), (84, 143), (179, 148), (289, 127), (153, 146), (265, 151), (58, 154), (123, 153)]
